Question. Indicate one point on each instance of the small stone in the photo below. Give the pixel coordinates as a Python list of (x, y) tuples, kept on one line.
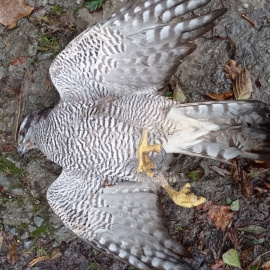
[(13, 231), (31, 228), (44, 56), (38, 220), (27, 245), (25, 235)]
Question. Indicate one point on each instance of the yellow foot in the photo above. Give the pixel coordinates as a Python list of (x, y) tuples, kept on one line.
[(184, 197), (144, 162)]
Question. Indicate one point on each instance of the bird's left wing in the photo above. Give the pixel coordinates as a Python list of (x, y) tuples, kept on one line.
[(124, 220), (139, 47)]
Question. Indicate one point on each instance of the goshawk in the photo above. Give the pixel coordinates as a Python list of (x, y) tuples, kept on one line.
[(108, 79)]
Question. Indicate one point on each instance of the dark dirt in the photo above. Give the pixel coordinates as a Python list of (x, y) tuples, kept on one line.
[(28, 227)]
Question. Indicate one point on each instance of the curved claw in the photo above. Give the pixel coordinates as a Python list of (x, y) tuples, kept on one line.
[(144, 162), (163, 154)]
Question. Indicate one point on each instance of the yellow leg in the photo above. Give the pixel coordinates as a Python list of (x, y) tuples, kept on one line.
[(144, 162), (184, 197)]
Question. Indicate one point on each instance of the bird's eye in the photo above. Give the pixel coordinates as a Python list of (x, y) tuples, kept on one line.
[(22, 132)]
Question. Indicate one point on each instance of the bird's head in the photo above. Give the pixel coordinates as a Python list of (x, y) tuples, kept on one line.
[(26, 140)]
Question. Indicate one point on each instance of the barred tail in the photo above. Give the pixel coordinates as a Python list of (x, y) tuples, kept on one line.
[(222, 130)]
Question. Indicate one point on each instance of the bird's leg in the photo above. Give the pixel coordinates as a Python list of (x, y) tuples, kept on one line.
[(185, 197), (144, 162)]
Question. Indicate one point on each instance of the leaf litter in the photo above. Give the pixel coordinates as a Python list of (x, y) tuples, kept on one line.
[(241, 81), (13, 10)]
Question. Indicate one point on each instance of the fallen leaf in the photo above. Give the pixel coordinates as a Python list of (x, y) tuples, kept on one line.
[(233, 235), (235, 205), (19, 60), (242, 177), (267, 184), (260, 190), (221, 215), (241, 81), (218, 265), (231, 258), (13, 10), (178, 94), (253, 229), (264, 164), (258, 83), (266, 266), (221, 96), (247, 255)]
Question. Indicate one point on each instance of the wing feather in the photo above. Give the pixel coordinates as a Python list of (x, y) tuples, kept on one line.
[(138, 47), (124, 220)]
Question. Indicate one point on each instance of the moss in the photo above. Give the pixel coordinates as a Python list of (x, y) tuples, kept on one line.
[(21, 227), (7, 166), (196, 175), (43, 230), (56, 10), (40, 231), (20, 202)]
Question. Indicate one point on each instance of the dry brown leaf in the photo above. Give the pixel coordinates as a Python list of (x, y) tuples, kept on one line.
[(258, 83), (242, 177), (19, 60), (241, 81), (218, 265), (221, 96), (266, 266), (247, 255), (13, 10), (233, 235), (267, 184), (261, 165), (220, 214)]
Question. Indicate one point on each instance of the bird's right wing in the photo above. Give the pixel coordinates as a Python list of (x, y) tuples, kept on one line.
[(139, 47), (124, 220)]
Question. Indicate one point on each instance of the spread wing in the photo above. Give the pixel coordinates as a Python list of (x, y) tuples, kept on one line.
[(137, 48), (124, 220)]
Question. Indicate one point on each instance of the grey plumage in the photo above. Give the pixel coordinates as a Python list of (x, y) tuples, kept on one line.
[(107, 79)]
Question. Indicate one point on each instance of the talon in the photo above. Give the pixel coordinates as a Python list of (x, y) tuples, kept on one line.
[(144, 162), (184, 197)]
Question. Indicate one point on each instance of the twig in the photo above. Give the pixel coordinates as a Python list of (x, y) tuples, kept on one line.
[(250, 21), (18, 117)]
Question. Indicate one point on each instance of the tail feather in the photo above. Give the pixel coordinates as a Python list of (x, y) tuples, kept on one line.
[(222, 130)]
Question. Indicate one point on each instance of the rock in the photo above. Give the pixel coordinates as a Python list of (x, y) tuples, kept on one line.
[(38, 220)]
